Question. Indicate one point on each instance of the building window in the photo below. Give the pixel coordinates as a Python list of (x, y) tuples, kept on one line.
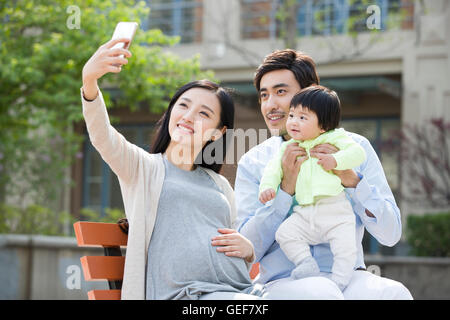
[(100, 185), (398, 13), (181, 18), (258, 19), (322, 17)]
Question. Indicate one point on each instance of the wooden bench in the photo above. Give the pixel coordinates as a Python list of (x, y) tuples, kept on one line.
[(110, 267)]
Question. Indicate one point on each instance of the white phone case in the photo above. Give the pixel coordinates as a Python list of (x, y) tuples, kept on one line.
[(124, 30)]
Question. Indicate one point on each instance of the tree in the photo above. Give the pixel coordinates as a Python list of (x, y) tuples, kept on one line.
[(43, 47), (287, 16), (424, 152)]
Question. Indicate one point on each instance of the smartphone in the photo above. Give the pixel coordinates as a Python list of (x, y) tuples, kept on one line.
[(124, 30)]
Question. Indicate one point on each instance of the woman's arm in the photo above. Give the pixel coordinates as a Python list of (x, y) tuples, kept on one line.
[(120, 155)]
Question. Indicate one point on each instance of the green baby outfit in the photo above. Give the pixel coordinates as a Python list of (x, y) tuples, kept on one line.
[(313, 181)]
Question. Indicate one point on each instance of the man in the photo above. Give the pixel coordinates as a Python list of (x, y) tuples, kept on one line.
[(282, 74)]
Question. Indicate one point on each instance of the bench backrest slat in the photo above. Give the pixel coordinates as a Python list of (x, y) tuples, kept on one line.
[(97, 234), (102, 268), (104, 295)]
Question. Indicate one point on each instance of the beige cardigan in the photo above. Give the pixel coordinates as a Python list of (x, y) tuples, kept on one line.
[(141, 176)]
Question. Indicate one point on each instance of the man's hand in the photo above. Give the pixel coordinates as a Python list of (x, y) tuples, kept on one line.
[(234, 244), (291, 162), (349, 178)]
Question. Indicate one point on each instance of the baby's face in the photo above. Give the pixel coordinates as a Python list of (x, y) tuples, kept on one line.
[(302, 124)]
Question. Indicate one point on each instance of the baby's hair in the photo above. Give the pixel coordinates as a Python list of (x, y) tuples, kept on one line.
[(323, 102)]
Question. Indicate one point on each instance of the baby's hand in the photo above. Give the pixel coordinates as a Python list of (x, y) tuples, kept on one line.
[(327, 161), (267, 195)]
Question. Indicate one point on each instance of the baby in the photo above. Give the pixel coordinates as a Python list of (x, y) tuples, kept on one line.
[(323, 213)]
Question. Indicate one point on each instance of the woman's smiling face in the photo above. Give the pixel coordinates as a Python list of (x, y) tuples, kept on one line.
[(194, 117)]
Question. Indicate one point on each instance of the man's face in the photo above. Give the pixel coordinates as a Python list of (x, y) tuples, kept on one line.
[(276, 91)]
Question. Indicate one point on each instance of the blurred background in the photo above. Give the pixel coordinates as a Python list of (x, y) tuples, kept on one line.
[(389, 61)]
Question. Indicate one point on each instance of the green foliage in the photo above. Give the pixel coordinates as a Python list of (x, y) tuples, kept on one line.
[(429, 234), (110, 216), (33, 219), (36, 219), (41, 61)]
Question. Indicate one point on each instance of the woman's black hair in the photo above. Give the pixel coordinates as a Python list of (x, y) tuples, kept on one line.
[(218, 148), (323, 102)]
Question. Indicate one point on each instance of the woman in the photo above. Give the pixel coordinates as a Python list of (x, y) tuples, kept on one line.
[(175, 201)]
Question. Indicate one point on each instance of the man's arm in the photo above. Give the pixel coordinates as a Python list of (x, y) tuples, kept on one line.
[(374, 201), (258, 222)]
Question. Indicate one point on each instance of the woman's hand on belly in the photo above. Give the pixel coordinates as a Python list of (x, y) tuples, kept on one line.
[(234, 244)]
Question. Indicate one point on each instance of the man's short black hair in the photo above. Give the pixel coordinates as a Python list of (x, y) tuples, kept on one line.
[(323, 102), (299, 63)]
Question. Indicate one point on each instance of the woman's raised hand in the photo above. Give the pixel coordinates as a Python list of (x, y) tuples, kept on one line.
[(104, 60)]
